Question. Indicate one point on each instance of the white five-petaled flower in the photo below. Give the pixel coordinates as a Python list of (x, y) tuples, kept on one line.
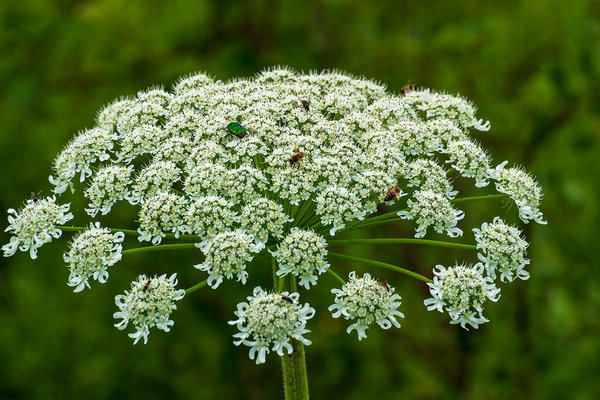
[(270, 321), (502, 250), (461, 290), (91, 253), (148, 304), (34, 225), (366, 301), (303, 254), (226, 256)]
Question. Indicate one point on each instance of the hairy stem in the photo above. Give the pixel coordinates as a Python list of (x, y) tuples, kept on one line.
[(380, 264)]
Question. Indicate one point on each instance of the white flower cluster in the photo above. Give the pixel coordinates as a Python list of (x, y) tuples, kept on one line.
[(522, 188), (303, 254), (332, 142), (34, 225), (149, 304), (162, 213), (269, 321), (227, 255), (366, 301), (109, 185), (461, 290), (433, 209), (502, 249), (282, 160), (91, 253)]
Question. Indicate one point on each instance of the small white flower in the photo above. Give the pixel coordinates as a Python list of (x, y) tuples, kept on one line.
[(263, 218), (149, 304), (429, 175), (270, 321), (470, 160), (433, 209), (141, 140), (226, 256), (502, 249), (84, 150), (366, 301), (208, 216), (109, 185), (303, 254), (155, 177), (461, 290), (149, 109), (91, 253), (162, 213), (337, 205), (34, 225), (522, 188)]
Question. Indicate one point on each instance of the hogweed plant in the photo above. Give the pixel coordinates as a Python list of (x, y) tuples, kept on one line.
[(282, 164)]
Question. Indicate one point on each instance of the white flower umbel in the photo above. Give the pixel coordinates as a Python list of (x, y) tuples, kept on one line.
[(336, 205), (155, 177), (461, 290), (83, 150), (91, 253), (162, 213), (34, 225), (522, 188), (470, 159), (429, 175), (208, 216), (226, 255), (263, 218), (148, 304), (502, 249), (270, 321), (109, 185), (432, 209), (139, 141), (303, 254), (366, 301)]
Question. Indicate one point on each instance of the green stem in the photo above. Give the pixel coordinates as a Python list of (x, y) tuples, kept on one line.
[(196, 287), (295, 382), (128, 232), (293, 365), (483, 197), (425, 242), (380, 264), (370, 224), (336, 276), (160, 247)]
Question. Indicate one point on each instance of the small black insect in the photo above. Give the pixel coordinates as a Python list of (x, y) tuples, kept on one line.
[(146, 286), (287, 299), (36, 196)]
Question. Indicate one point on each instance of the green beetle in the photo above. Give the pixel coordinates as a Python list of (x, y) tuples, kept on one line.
[(237, 130)]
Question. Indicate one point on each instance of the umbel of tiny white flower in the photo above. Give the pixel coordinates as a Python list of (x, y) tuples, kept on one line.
[(433, 209), (91, 253), (502, 249), (303, 254), (461, 290), (269, 321), (35, 224), (366, 301), (148, 304), (227, 255)]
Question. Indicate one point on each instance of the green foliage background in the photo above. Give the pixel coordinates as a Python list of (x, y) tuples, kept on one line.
[(533, 69)]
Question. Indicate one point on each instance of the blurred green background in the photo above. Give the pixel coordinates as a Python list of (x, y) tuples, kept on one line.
[(533, 69)]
